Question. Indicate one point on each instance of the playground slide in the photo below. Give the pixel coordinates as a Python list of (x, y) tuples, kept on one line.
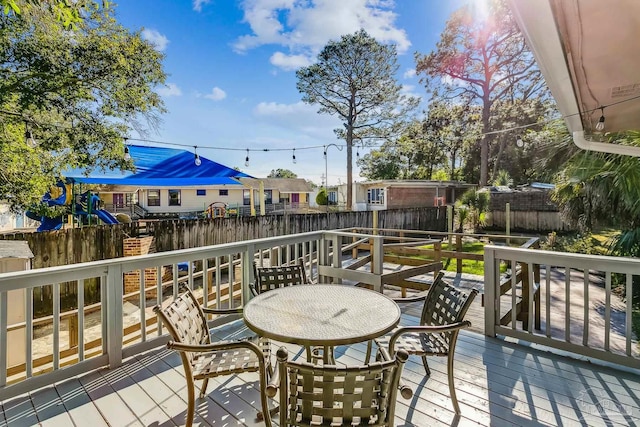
[(61, 195), (106, 217)]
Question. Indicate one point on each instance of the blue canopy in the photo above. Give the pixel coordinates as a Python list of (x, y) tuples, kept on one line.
[(162, 167)]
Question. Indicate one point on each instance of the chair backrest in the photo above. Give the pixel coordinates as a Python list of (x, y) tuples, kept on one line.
[(444, 305), (185, 321), (268, 278), (338, 395)]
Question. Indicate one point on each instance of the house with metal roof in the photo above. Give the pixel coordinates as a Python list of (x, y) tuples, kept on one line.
[(165, 181)]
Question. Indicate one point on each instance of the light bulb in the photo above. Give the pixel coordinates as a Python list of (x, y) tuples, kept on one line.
[(600, 124), (246, 161), (127, 156), (519, 142), (197, 160), (31, 142)]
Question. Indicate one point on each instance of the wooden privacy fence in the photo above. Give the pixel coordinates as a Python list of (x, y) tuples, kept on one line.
[(96, 243)]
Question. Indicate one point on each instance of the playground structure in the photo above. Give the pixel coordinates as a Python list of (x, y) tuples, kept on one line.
[(82, 206), (216, 210)]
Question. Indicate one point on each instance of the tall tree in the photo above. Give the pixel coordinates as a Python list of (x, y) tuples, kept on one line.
[(451, 127), (354, 79), (281, 173), (480, 60), (78, 93), (69, 13)]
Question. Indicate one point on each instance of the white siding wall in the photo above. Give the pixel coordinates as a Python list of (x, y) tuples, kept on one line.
[(189, 201)]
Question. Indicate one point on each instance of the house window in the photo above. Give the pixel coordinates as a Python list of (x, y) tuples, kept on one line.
[(375, 196), (174, 197), (332, 196), (153, 198), (268, 197), (201, 192), (223, 192), (246, 194)]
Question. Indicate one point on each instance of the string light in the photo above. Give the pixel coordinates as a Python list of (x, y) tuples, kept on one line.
[(519, 142), (196, 158), (600, 124), (31, 142), (294, 156), (127, 155)]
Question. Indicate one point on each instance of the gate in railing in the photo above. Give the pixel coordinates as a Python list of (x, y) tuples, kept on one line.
[(577, 308)]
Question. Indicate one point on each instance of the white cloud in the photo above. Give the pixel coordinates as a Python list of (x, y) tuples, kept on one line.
[(170, 89), (216, 94), (298, 117), (159, 41), (289, 62), (409, 90), (306, 27), (197, 4), (409, 73), (450, 81)]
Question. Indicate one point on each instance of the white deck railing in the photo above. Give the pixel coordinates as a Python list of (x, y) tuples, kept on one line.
[(571, 299), (69, 342), (122, 323)]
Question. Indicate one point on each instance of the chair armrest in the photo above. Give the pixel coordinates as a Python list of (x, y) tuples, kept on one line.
[(208, 310), (254, 291), (426, 330), (420, 297), (274, 381), (218, 346), (405, 391)]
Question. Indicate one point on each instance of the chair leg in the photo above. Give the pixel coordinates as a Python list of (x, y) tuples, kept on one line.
[(191, 405), (203, 389), (426, 366), (452, 388), (367, 356), (266, 413)]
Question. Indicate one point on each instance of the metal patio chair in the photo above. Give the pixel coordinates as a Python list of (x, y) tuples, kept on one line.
[(269, 278), (441, 320), (202, 359), (332, 395)]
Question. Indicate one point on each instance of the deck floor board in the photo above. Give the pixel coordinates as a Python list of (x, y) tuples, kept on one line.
[(497, 383)]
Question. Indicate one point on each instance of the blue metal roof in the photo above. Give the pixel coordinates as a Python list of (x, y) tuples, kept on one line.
[(163, 167)]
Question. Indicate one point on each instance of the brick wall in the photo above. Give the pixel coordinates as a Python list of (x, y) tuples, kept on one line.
[(409, 197), (139, 246), (535, 201)]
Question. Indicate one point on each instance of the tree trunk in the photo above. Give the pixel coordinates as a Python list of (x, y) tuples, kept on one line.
[(349, 172), (484, 144)]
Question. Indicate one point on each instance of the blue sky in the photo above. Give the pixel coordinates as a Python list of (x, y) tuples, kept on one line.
[(231, 72)]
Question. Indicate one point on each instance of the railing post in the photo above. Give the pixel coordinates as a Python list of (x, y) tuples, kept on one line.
[(3, 337), (490, 284), (323, 251), (113, 312), (337, 255), (247, 272), (354, 251), (458, 252), (377, 260)]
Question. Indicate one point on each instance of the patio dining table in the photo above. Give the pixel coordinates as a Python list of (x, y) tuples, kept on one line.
[(321, 315)]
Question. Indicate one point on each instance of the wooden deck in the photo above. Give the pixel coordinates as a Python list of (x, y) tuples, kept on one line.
[(498, 383)]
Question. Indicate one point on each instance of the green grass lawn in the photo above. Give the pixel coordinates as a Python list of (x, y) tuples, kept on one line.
[(468, 266)]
